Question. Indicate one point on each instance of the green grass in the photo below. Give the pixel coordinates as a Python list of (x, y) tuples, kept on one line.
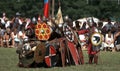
[(108, 61)]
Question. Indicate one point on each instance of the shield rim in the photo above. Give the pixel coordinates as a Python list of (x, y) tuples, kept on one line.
[(99, 41)]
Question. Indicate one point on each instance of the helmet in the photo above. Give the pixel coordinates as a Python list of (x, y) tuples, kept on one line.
[(66, 18)]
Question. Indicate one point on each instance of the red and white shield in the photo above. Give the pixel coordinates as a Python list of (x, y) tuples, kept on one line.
[(50, 57)]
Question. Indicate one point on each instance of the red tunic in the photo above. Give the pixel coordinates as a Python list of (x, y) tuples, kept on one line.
[(82, 31), (90, 49)]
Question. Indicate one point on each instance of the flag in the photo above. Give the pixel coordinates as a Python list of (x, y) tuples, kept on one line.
[(46, 8), (59, 18)]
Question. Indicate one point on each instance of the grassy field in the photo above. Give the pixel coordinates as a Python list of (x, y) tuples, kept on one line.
[(108, 61)]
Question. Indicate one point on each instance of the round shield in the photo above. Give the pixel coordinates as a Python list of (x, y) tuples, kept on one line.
[(68, 33), (27, 60), (42, 31), (39, 53), (26, 55), (96, 39)]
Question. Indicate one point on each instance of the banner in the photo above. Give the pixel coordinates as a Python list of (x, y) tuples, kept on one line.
[(59, 18), (46, 8)]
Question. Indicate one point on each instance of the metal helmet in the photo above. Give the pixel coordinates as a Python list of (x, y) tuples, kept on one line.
[(66, 18)]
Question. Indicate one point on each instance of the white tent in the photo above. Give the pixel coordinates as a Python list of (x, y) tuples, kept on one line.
[(82, 20)]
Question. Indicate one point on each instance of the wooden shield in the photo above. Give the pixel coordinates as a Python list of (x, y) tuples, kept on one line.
[(42, 31), (96, 39), (39, 53)]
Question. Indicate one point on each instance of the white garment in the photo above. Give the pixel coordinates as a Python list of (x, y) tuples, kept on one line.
[(82, 37), (20, 33), (20, 22), (7, 24), (109, 41), (2, 21), (96, 30), (16, 38), (26, 26)]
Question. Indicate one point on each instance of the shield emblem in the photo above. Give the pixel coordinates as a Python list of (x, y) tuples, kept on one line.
[(68, 33), (96, 39), (42, 31), (39, 53), (50, 57)]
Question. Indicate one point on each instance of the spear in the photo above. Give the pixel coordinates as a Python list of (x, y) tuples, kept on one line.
[(53, 6)]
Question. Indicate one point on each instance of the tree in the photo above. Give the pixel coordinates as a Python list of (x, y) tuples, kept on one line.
[(74, 8)]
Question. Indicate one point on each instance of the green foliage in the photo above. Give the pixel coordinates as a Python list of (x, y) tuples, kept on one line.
[(74, 8), (27, 8)]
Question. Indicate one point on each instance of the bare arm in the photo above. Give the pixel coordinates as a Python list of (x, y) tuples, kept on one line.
[(116, 35)]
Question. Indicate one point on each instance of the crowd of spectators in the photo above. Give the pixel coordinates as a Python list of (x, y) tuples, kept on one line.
[(12, 30)]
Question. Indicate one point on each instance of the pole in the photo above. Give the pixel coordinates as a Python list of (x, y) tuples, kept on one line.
[(53, 6), (49, 2)]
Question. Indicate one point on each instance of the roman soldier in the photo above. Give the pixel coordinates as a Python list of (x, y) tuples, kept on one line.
[(82, 33), (73, 42), (93, 50)]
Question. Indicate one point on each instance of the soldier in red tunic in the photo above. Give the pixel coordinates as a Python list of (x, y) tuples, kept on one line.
[(81, 33), (92, 50)]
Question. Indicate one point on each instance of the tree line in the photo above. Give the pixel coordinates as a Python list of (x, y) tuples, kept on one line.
[(74, 8)]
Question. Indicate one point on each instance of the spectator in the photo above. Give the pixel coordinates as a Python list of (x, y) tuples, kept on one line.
[(117, 38), (1, 39), (12, 36), (109, 41), (6, 39), (109, 26)]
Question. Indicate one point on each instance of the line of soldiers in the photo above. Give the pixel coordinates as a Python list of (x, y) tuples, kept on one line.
[(63, 47)]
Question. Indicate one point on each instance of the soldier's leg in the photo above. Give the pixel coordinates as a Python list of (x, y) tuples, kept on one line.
[(91, 56), (81, 57), (96, 58)]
